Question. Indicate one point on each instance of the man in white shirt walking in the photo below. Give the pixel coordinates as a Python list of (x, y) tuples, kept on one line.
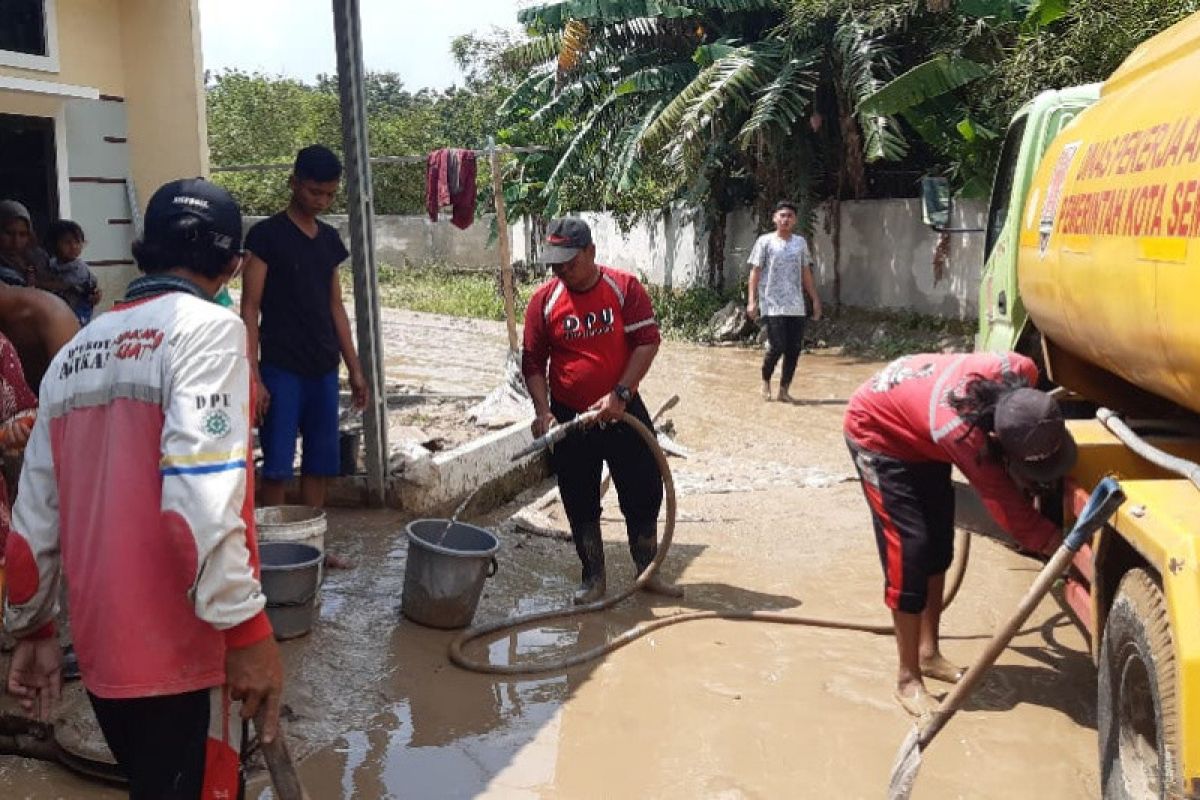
[(780, 274)]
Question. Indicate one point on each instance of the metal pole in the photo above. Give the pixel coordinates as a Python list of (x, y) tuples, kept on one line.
[(348, 37), (506, 271)]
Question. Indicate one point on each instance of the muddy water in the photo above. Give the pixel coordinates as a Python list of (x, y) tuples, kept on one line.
[(712, 709)]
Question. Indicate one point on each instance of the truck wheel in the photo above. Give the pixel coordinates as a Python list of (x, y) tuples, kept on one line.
[(1136, 714)]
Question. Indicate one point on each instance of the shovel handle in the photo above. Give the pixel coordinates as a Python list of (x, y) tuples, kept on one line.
[(279, 764), (1103, 503)]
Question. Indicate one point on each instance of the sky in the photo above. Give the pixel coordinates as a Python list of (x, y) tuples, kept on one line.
[(295, 37)]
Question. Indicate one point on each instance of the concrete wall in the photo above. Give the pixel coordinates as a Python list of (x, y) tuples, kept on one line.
[(886, 253), (669, 248), (408, 241), (89, 47), (168, 123), (886, 257)]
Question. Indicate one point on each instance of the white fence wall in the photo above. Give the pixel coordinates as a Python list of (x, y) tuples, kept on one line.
[(886, 251)]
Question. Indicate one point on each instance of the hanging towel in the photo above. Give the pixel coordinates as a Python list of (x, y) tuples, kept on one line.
[(450, 181)]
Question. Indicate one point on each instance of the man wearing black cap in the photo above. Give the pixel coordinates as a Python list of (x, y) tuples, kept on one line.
[(906, 428), (136, 489), (590, 337)]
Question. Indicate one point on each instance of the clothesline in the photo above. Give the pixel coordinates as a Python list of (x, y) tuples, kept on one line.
[(381, 159)]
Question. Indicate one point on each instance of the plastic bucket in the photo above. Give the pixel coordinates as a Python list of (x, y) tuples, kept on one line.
[(444, 574), (291, 574), (298, 524)]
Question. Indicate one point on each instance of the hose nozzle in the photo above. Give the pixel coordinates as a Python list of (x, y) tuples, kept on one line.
[(557, 434)]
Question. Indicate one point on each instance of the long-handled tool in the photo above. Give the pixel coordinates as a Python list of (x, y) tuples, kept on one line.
[(279, 764), (1103, 503)]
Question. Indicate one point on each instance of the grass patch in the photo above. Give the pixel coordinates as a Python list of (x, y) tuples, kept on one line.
[(456, 292), (446, 290)]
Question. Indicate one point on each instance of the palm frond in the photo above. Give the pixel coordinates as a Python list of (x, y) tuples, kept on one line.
[(574, 157), (782, 103), (861, 60), (935, 77), (570, 98), (540, 83), (573, 45), (534, 52), (627, 168), (658, 78), (554, 16)]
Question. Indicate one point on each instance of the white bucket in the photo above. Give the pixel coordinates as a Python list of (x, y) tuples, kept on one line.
[(298, 524)]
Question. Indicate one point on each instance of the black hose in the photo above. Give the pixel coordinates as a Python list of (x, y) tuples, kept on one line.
[(461, 659)]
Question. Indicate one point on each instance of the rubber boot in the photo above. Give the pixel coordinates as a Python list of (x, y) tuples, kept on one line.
[(643, 546), (590, 547)]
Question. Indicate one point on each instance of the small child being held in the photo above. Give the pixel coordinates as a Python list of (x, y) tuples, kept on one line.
[(68, 275)]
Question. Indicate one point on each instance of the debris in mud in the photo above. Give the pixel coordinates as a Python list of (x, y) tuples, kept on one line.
[(730, 323), (508, 403), (716, 475)]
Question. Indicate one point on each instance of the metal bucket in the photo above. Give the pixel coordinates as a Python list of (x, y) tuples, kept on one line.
[(291, 573), (300, 524), (444, 575)]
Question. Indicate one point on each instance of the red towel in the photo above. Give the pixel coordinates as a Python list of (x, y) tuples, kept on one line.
[(450, 181)]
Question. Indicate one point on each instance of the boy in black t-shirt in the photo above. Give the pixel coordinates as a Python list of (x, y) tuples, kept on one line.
[(291, 281)]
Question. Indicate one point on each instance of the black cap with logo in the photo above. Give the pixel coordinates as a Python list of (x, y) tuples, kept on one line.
[(211, 214), (565, 237), (1030, 427)]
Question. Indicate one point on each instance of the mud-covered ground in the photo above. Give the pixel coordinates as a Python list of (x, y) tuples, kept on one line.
[(768, 518)]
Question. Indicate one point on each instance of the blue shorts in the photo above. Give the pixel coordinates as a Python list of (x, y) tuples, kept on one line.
[(308, 406)]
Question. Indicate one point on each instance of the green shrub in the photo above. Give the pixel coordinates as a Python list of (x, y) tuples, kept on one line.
[(684, 313)]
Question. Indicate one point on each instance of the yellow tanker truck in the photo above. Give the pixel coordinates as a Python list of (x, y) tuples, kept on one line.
[(1092, 265)]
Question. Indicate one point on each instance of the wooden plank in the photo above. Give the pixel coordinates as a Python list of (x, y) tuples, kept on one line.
[(506, 273), (93, 179)]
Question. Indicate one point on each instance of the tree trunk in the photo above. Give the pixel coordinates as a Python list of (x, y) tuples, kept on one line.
[(716, 250), (716, 231), (833, 226), (854, 165)]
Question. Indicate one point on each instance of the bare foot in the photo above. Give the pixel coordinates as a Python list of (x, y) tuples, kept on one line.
[(941, 669), (766, 391), (334, 561), (784, 396), (917, 701)]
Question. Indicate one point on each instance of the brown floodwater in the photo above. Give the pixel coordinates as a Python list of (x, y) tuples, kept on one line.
[(768, 519)]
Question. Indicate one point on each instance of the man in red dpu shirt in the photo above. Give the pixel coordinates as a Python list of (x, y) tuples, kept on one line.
[(595, 328), (906, 427)]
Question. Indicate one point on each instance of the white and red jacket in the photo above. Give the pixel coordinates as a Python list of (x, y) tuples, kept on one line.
[(136, 488)]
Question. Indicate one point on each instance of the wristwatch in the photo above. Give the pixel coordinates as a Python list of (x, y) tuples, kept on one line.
[(623, 393)]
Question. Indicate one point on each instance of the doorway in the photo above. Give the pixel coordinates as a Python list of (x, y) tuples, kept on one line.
[(28, 169)]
